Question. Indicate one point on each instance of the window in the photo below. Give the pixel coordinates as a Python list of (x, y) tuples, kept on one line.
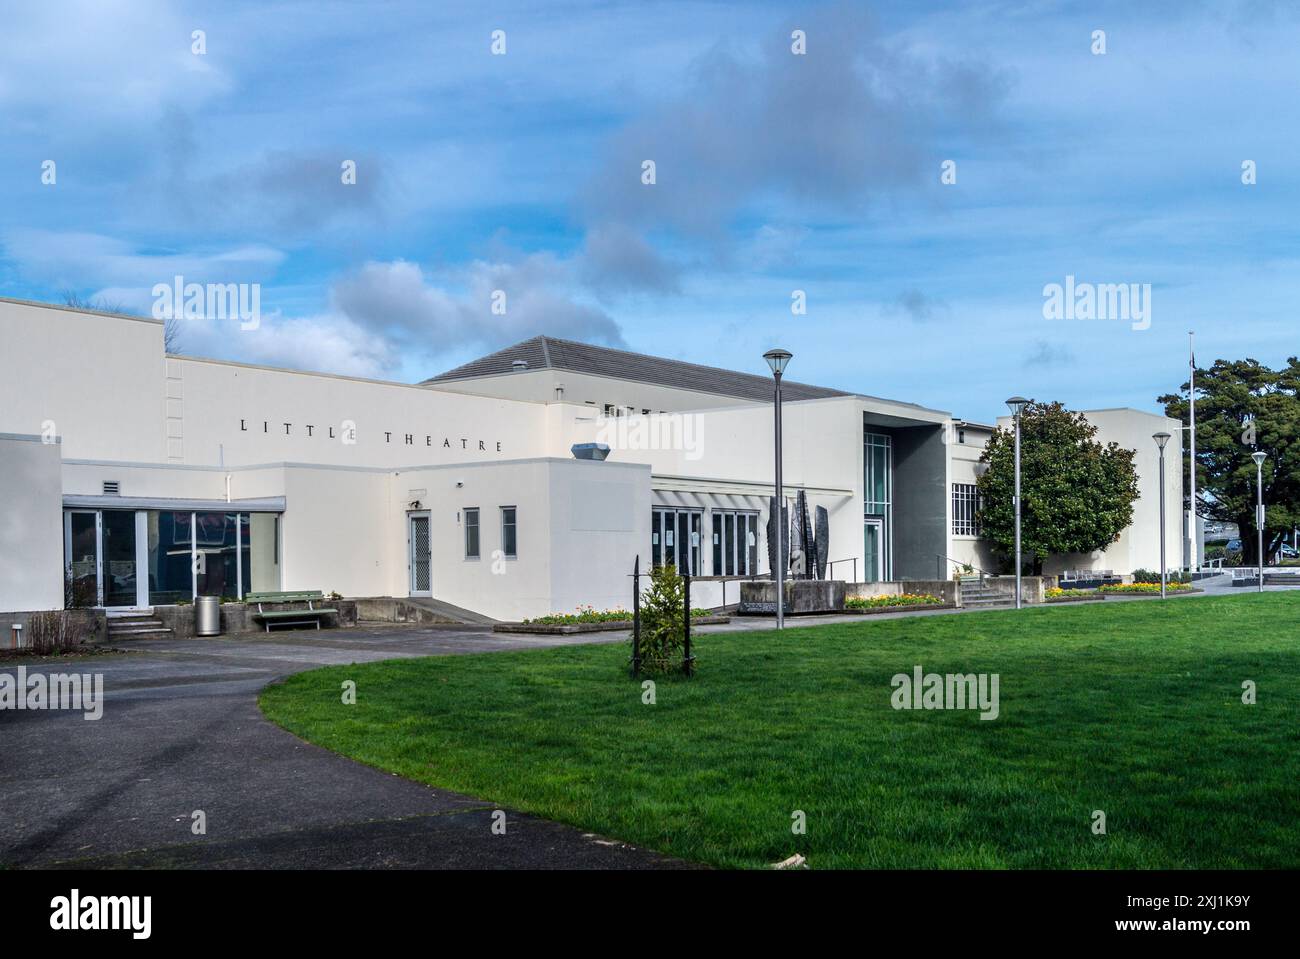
[(675, 539), (735, 543), (965, 505), (877, 507), (961, 436), (471, 533), (508, 536)]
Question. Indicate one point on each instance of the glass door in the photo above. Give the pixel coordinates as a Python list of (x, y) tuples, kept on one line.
[(81, 557), (119, 557), (874, 532)]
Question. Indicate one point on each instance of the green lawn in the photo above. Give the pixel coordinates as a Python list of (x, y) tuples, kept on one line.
[(1133, 708)]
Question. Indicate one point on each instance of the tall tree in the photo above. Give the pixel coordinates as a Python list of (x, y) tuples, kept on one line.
[(1077, 494), (1243, 406)]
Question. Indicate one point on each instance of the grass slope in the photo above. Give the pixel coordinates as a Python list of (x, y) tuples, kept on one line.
[(1132, 708)]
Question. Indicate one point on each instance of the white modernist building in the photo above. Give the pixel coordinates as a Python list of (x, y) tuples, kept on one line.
[(144, 478)]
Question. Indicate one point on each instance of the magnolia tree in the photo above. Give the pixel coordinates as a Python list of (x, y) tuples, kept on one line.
[(1077, 494), (1243, 406)]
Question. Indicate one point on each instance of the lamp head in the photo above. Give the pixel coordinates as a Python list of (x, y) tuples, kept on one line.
[(1259, 458), (1161, 439), (1017, 405), (777, 359)]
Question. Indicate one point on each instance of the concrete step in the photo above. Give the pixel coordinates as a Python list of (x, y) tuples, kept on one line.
[(156, 632)]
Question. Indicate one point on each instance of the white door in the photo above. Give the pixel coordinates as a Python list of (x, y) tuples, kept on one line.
[(420, 560)]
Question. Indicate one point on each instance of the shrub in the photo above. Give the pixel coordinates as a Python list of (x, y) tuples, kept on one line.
[(904, 599), (1153, 576), (54, 632), (663, 633)]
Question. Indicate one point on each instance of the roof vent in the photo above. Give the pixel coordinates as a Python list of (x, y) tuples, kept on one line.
[(518, 365), (590, 451), (112, 488)]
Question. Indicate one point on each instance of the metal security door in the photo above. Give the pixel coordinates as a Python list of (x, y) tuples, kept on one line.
[(420, 559)]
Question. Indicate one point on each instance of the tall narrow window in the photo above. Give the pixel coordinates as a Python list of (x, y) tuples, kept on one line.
[(471, 533), (508, 538), (965, 509)]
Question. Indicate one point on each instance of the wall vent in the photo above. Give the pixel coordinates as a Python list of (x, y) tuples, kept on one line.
[(112, 488)]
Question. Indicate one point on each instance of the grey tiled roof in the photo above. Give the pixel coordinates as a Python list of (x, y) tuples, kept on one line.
[(547, 352)]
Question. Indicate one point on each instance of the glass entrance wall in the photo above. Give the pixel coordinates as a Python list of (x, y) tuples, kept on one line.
[(217, 554), (735, 543), (171, 575), (675, 539), (161, 557), (877, 485)]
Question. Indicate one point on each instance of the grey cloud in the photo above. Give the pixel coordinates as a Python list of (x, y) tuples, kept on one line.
[(289, 191), (849, 121), (397, 301), (617, 260), (1049, 354), (919, 307)]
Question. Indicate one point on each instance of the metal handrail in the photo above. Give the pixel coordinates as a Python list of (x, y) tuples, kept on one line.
[(830, 567), (943, 572)]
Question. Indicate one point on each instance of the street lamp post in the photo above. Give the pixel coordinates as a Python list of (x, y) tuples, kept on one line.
[(777, 360), (1017, 406), (1161, 439), (1259, 513)]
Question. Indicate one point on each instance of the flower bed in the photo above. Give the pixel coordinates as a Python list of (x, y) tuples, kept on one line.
[(1145, 589), (589, 614), (1061, 594), (903, 599)]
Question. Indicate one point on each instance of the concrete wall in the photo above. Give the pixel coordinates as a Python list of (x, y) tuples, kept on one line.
[(95, 380), (921, 501), (946, 589), (579, 527), (31, 524), (243, 415)]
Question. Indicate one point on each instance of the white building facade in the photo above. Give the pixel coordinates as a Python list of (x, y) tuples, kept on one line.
[(137, 478)]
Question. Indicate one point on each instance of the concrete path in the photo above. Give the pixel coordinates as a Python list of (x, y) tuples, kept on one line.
[(181, 732)]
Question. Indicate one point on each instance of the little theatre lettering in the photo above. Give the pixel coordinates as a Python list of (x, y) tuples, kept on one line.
[(347, 433)]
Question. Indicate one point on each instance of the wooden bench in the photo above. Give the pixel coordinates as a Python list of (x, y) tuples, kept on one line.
[(298, 616)]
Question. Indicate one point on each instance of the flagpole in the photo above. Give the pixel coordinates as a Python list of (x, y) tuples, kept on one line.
[(1191, 460)]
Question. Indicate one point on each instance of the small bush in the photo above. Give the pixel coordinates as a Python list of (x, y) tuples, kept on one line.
[(53, 632), (663, 634), (1153, 576)]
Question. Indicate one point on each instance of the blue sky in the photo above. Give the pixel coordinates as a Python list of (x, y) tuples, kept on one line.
[(774, 173)]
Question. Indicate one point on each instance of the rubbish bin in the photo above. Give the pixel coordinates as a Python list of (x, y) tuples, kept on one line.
[(207, 616)]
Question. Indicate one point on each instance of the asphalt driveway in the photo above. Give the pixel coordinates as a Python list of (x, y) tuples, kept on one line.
[(181, 732)]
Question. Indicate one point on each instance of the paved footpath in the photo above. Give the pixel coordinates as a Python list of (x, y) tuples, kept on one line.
[(181, 731)]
